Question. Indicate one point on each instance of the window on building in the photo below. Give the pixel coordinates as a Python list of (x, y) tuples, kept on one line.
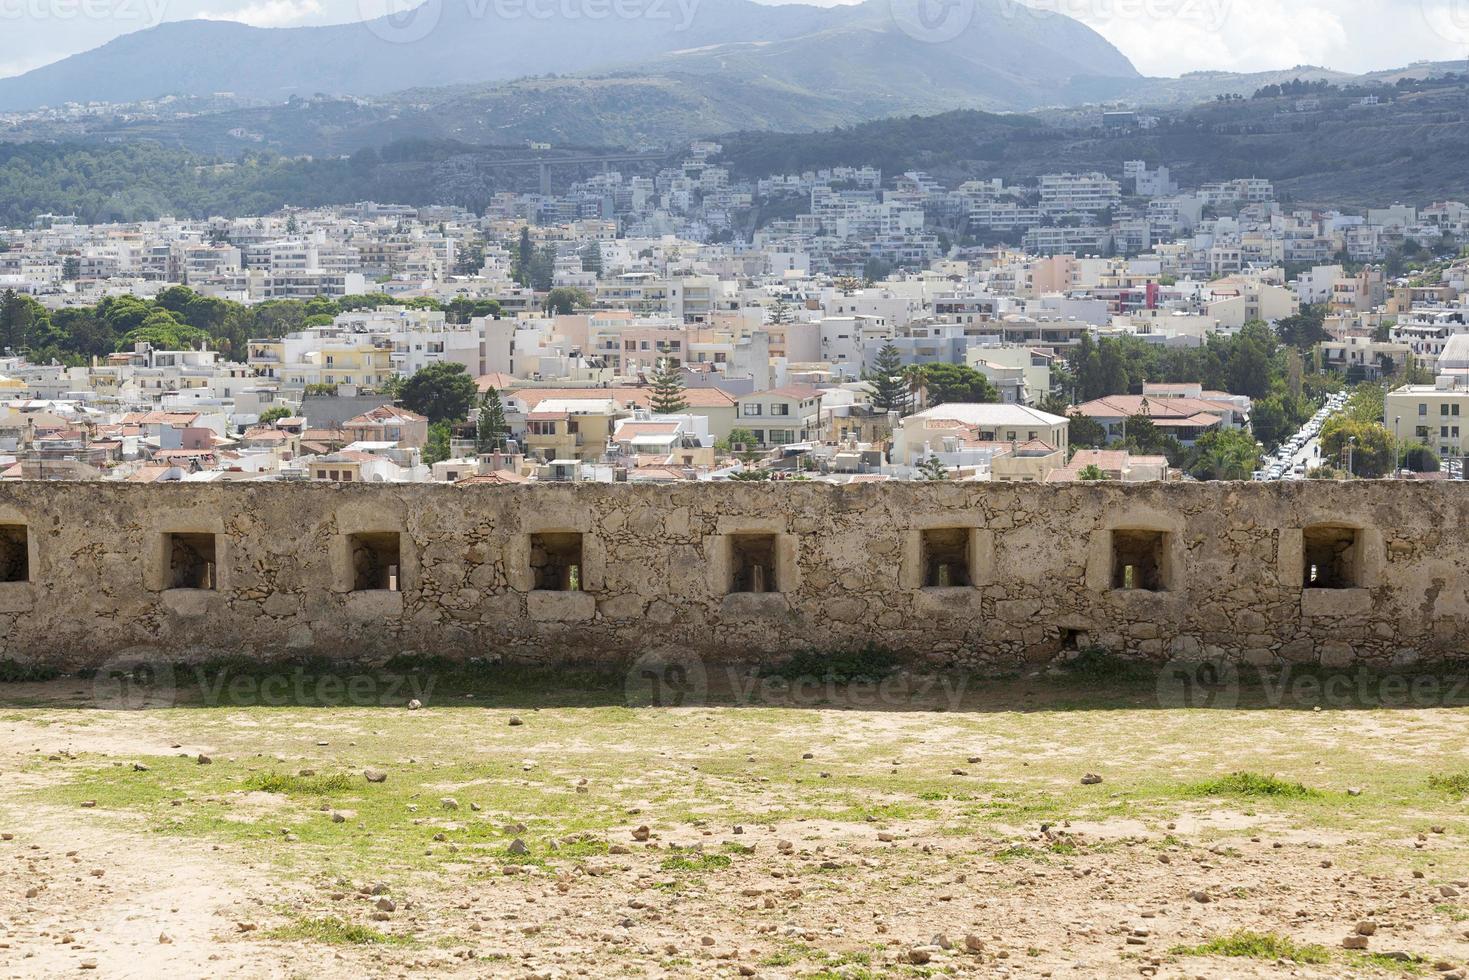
[(1422, 409), (752, 563), (780, 410), (945, 553), (1138, 558), (1330, 557), (191, 561), (753, 410), (556, 561), (375, 561), (15, 555)]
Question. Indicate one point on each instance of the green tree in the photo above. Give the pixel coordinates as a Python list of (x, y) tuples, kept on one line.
[(740, 438), (1091, 473), (24, 323), (591, 258), (1224, 454), (1362, 448), (442, 392), (668, 389), (1420, 458), (932, 469), (565, 300), (274, 414), (889, 390), (461, 309), (437, 450), (1085, 431), (957, 383), (1305, 329), (490, 426), (520, 267)]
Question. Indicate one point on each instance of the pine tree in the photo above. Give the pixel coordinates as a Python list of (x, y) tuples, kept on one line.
[(520, 269), (490, 427), (932, 469), (591, 259), (889, 390), (668, 388), (779, 312)]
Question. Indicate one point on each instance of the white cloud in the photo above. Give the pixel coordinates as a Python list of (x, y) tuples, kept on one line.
[(1170, 37), (269, 13)]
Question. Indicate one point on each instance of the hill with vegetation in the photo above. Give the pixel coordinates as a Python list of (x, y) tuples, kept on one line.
[(1006, 55), (1322, 147)]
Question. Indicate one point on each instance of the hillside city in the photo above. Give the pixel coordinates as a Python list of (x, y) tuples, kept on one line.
[(1087, 326)]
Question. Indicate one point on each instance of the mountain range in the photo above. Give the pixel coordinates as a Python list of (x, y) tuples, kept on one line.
[(1007, 56)]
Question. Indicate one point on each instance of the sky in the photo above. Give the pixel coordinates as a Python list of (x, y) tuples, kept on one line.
[(1162, 37)]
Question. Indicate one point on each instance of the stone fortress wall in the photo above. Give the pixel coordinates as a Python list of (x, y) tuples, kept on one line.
[(993, 576)]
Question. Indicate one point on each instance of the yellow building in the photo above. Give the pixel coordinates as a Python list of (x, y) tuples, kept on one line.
[(571, 428)]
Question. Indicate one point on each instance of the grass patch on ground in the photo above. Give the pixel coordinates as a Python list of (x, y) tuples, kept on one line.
[(867, 665), (1257, 946), (702, 862), (334, 931), (1452, 783), (1252, 785), (275, 782), (15, 672)]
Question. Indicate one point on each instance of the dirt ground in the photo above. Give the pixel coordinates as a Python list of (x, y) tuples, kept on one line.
[(557, 834)]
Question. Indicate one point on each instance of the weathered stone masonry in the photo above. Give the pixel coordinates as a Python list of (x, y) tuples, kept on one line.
[(974, 574)]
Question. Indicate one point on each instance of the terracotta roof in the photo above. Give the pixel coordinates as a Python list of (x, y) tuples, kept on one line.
[(148, 474), (159, 418), (801, 392), (1157, 409), (497, 477), (385, 415), (496, 379)]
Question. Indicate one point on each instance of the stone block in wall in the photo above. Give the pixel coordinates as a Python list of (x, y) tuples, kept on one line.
[(373, 605), (192, 603), (560, 607), (1335, 603), (17, 597)]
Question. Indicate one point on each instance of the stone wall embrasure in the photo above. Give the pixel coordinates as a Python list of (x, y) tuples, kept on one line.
[(655, 570)]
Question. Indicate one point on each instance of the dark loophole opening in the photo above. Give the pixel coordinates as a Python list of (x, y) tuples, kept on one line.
[(946, 557), (556, 561), (1330, 558), (376, 559), (191, 561), (752, 563), (15, 554), (1138, 560)]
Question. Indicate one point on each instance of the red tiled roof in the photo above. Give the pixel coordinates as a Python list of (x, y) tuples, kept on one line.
[(385, 415)]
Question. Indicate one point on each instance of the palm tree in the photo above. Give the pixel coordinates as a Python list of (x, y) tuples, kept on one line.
[(917, 377)]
